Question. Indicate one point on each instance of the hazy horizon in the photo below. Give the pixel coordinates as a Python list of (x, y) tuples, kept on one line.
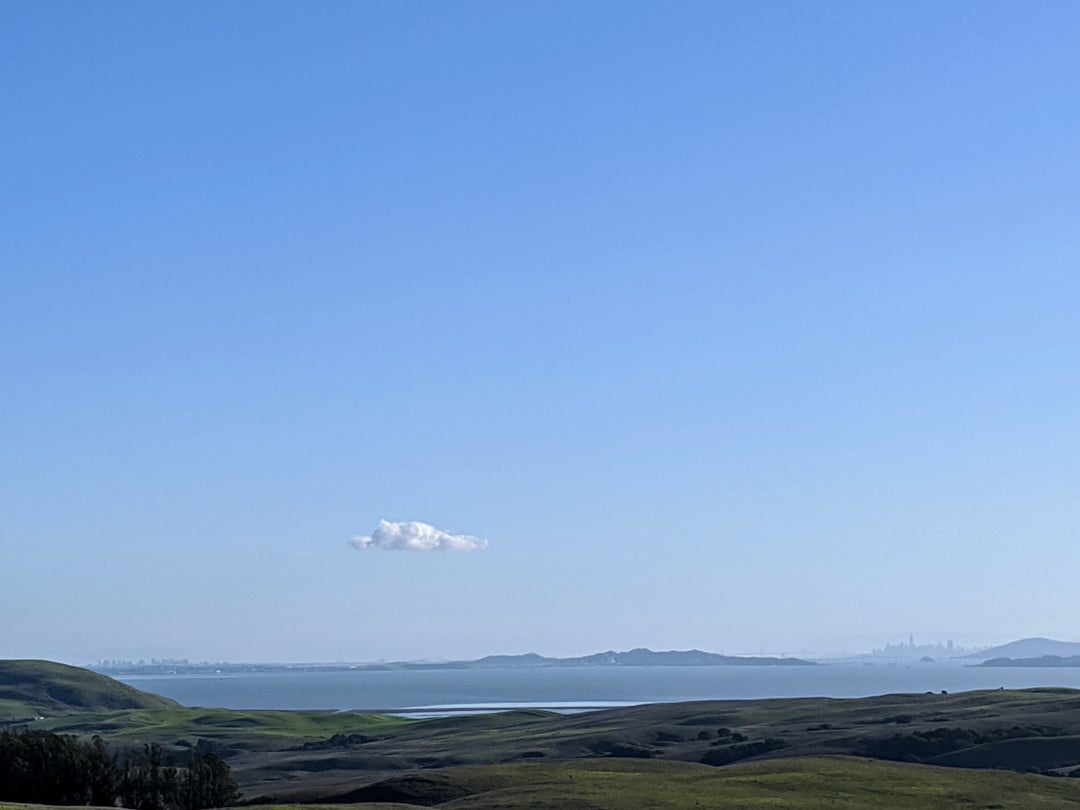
[(360, 331), (964, 642)]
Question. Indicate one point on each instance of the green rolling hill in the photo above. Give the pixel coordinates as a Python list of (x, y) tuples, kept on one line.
[(35, 688), (883, 751), (819, 783)]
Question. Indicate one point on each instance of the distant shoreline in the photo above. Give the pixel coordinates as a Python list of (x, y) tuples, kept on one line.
[(631, 658)]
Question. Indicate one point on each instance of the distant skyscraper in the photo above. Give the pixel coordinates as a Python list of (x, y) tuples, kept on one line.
[(911, 640)]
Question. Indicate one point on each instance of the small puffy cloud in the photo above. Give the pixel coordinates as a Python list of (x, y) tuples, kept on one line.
[(414, 536)]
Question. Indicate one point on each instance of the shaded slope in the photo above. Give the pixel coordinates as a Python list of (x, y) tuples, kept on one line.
[(1024, 753)]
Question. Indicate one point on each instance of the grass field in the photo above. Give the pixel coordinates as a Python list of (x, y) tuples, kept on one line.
[(824, 783), (16, 709), (246, 727), (783, 753), (289, 755), (836, 783)]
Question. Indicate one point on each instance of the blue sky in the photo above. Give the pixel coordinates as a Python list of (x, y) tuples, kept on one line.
[(739, 326)]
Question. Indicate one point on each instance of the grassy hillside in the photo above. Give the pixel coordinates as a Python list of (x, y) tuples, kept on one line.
[(822, 783), (32, 688), (836, 783), (326, 757), (254, 730)]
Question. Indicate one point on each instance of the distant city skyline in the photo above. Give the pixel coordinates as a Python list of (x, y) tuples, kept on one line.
[(361, 331)]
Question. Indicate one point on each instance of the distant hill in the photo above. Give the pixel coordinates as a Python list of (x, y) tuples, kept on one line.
[(640, 657), (632, 658), (1030, 648), (45, 687), (1041, 661)]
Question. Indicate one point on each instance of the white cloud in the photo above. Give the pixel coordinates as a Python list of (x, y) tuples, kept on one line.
[(414, 536)]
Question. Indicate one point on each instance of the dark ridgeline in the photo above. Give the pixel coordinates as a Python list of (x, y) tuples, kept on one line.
[(42, 768)]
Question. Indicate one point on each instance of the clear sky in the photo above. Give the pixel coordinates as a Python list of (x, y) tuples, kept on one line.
[(740, 326)]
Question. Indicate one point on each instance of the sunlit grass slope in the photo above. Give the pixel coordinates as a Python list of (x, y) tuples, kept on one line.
[(836, 783), (45, 687), (222, 724), (824, 783)]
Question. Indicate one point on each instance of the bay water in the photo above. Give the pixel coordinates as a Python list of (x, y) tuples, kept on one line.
[(435, 691)]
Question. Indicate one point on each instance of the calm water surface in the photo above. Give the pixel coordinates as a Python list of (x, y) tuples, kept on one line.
[(563, 688)]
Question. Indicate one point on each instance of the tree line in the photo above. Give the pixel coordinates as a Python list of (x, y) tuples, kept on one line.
[(39, 767)]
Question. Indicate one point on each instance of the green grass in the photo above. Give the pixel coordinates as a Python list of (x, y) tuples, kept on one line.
[(836, 783), (168, 725), (16, 710), (528, 758), (47, 688)]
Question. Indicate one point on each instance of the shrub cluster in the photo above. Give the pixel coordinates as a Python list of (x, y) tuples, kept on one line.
[(923, 745), (743, 750), (43, 768)]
